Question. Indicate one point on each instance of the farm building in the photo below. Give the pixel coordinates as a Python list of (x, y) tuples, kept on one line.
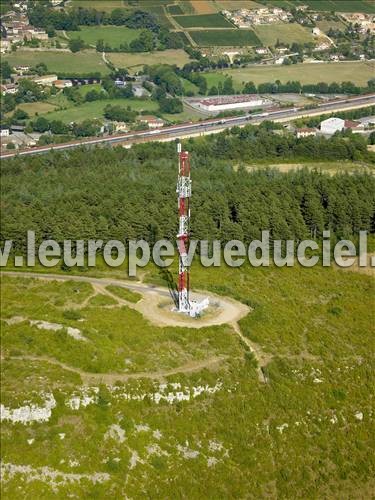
[(217, 104), (332, 125), (354, 126)]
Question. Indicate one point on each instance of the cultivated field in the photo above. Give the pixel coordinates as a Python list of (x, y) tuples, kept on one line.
[(137, 60), (175, 9), (356, 72), (205, 6), (230, 38), (159, 12), (60, 62), (366, 6), (113, 35), (204, 21), (236, 4), (269, 34)]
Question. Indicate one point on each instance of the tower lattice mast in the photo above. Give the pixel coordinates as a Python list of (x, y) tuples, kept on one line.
[(184, 194)]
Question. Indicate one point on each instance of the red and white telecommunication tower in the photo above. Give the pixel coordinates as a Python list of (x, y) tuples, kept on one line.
[(184, 303), (184, 192)]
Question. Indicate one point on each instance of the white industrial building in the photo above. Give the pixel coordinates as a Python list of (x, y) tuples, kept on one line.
[(217, 104), (332, 125)]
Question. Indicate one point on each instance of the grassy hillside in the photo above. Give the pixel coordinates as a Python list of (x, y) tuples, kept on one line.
[(239, 434)]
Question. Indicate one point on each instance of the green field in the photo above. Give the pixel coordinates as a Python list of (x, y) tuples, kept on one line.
[(113, 35), (33, 108), (356, 72), (135, 61), (231, 38), (93, 110), (326, 25), (204, 21), (60, 62), (101, 5), (285, 33)]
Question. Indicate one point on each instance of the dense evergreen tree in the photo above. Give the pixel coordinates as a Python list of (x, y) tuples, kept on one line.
[(115, 193)]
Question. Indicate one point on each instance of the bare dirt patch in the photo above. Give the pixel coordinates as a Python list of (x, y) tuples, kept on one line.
[(204, 7)]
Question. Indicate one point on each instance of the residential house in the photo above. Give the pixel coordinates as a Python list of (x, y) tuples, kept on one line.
[(305, 132), (4, 132), (62, 84), (47, 80), (152, 121), (8, 88)]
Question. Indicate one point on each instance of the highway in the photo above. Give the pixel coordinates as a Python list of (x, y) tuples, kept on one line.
[(203, 127)]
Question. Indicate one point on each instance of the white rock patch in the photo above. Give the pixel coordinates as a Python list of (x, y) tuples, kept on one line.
[(157, 434), (88, 396), (53, 477), (211, 461), (46, 325), (29, 413), (115, 432), (134, 459), (281, 427), (75, 333), (142, 428), (186, 452)]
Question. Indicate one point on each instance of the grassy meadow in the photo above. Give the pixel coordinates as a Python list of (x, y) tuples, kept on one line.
[(60, 62), (95, 109), (269, 34), (113, 35), (135, 61)]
